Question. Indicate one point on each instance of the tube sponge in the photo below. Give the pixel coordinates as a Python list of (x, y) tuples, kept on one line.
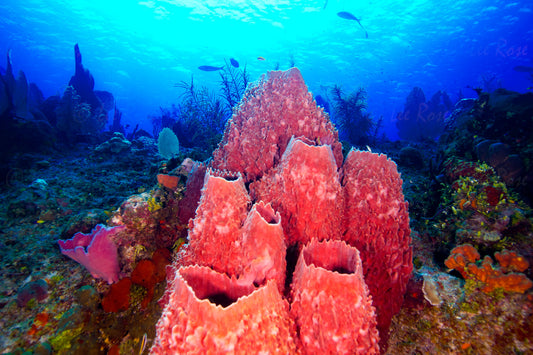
[(96, 251)]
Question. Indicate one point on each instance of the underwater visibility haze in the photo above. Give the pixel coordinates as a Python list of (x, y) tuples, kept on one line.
[(138, 50), (167, 163)]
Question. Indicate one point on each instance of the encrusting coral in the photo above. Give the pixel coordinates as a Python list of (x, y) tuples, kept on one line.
[(463, 258)]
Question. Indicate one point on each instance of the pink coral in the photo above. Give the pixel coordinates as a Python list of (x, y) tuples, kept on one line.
[(209, 313), (331, 304), (271, 112), (96, 251)]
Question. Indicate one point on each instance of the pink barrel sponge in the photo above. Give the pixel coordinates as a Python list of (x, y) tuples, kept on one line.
[(276, 108), (210, 313), (230, 237), (286, 151), (331, 305), (96, 251), (305, 188), (376, 222)]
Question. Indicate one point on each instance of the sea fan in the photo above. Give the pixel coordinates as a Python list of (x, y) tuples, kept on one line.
[(354, 123), (233, 83)]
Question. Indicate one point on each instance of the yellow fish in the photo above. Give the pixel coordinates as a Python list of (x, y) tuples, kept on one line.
[(143, 343)]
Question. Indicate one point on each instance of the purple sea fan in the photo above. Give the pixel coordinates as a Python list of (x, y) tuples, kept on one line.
[(96, 251)]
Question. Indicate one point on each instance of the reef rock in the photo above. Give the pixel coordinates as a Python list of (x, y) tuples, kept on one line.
[(115, 145)]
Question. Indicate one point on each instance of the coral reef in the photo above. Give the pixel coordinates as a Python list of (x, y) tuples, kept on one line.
[(271, 247), (499, 156), (23, 127), (420, 119), (491, 128), (149, 220), (487, 213)]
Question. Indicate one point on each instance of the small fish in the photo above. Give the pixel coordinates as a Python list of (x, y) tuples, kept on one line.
[(523, 69), (261, 58), (234, 62), (349, 16), (40, 221), (209, 68), (143, 343)]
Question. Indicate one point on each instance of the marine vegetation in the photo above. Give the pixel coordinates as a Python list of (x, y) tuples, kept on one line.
[(355, 124), (199, 119), (233, 83), (202, 115)]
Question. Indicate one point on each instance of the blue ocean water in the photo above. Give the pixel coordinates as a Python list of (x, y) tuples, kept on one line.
[(138, 50)]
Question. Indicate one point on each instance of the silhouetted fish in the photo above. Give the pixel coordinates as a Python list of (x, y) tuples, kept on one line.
[(209, 68), (234, 62), (523, 69), (349, 16)]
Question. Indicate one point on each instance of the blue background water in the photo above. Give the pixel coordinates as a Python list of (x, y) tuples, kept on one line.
[(139, 49)]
